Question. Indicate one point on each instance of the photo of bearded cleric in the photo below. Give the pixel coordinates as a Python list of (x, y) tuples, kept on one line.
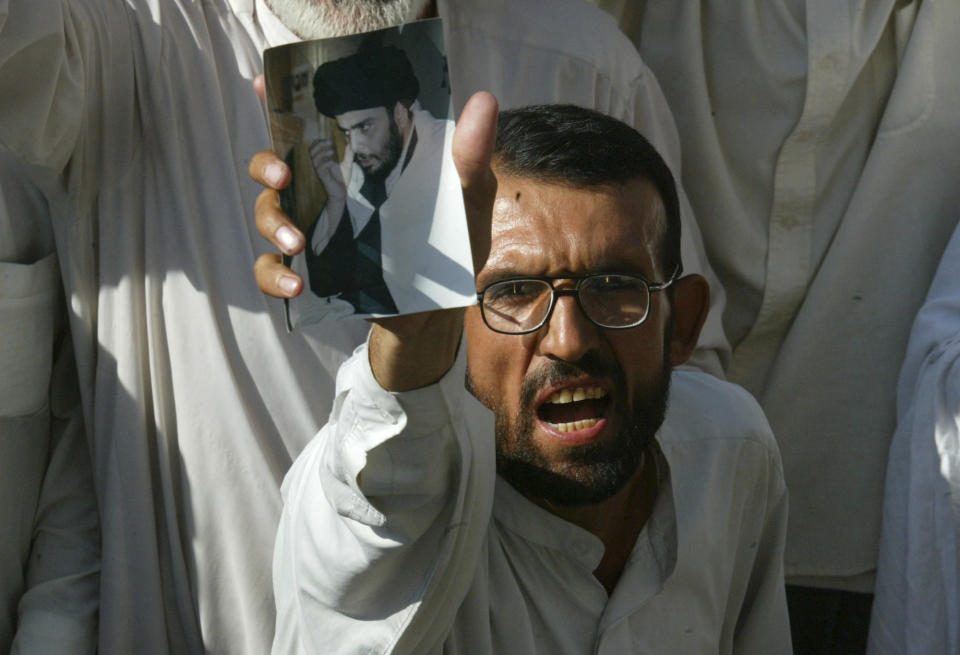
[(364, 123)]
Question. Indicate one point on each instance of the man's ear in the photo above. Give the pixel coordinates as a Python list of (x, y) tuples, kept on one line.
[(402, 117), (691, 302)]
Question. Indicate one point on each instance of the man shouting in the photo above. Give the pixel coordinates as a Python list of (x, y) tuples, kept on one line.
[(552, 516)]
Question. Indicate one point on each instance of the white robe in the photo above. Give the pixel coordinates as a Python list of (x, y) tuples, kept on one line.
[(916, 610), (820, 142)]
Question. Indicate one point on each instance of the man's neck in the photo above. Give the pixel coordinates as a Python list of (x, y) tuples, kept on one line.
[(617, 521)]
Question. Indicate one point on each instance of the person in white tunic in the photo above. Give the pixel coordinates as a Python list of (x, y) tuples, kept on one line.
[(819, 141), (917, 606), (418, 521), (137, 121)]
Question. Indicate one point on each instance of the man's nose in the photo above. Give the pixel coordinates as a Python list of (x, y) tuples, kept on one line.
[(568, 334)]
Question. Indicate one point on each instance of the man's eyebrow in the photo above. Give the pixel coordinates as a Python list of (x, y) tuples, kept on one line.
[(489, 276), (365, 121), (510, 271)]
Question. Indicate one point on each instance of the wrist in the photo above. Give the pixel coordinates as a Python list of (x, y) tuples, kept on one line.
[(416, 350)]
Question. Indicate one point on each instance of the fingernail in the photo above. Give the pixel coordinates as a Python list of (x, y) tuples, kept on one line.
[(289, 285), (288, 239), (274, 173)]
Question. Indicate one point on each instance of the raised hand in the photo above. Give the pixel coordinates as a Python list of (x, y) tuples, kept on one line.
[(333, 174), (408, 351), (411, 351)]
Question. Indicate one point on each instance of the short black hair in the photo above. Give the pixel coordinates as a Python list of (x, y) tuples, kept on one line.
[(579, 147)]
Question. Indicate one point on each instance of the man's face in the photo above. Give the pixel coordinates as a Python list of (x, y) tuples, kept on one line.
[(550, 445), (374, 138)]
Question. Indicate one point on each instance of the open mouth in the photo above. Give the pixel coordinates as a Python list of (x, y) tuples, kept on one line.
[(574, 409)]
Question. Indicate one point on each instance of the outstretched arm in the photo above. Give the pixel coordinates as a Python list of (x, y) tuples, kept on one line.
[(385, 512)]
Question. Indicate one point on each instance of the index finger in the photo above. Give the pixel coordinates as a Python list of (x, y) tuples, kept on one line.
[(269, 170), (275, 226)]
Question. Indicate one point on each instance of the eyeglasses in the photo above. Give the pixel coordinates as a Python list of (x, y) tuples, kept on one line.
[(616, 301)]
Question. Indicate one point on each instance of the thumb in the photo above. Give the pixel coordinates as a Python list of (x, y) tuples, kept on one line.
[(260, 86), (473, 143)]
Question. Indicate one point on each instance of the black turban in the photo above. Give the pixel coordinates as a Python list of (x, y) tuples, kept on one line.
[(374, 77)]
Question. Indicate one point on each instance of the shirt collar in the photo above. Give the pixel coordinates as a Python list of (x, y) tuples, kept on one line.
[(651, 561), (535, 524), (654, 555)]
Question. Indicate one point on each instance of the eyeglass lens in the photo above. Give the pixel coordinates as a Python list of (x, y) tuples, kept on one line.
[(614, 300)]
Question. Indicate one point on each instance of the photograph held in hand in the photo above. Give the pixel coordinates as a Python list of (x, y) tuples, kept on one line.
[(365, 124)]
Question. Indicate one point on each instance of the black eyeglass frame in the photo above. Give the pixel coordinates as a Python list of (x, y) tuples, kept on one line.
[(652, 287)]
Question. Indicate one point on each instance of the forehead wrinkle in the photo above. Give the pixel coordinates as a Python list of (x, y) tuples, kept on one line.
[(511, 251), (518, 238), (557, 228)]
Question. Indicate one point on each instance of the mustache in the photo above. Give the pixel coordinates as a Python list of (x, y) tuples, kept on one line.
[(592, 364)]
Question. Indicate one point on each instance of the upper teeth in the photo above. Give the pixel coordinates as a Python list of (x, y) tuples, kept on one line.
[(580, 393)]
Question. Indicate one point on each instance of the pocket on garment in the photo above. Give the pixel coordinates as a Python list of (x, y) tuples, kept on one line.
[(29, 294)]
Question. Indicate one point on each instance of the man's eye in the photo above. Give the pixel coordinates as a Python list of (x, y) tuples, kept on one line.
[(515, 291), (613, 283)]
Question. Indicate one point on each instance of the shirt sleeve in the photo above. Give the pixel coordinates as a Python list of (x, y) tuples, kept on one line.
[(384, 516), (916, 606)]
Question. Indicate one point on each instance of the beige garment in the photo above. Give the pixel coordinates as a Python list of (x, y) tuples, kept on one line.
[(49, 542), (196, 399), (820, 144)]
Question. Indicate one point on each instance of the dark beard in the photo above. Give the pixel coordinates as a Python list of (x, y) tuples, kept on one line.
[(391, 156), (593, 472)]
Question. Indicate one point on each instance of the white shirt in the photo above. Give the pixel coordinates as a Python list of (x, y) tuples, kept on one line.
[(820, 142), (49, 541), (916, 610), (196, 399), (398, 537)]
